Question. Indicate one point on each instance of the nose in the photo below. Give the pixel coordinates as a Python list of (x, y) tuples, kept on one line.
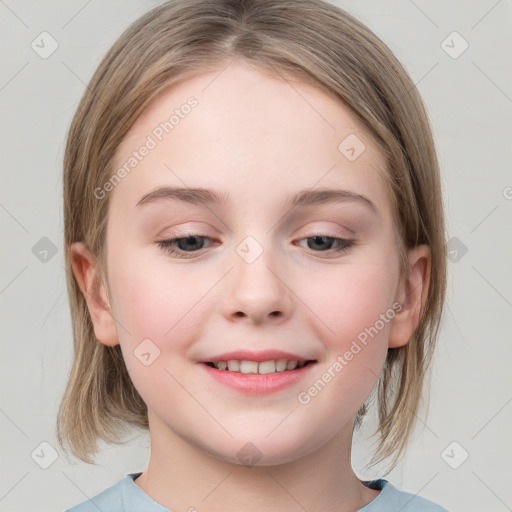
[(258, 291)]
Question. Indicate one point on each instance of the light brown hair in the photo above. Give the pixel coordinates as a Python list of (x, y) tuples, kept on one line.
[(309, 40)]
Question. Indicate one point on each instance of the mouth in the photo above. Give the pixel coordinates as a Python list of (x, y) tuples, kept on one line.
[(258, 373), (259, 367), (244, 366), (258, 377)]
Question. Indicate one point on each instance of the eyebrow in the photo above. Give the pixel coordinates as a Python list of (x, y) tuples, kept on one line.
[(207, 197)]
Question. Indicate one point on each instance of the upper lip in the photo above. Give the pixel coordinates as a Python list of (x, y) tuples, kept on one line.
[(248, 355)]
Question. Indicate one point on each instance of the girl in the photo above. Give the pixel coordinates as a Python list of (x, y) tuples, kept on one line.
[(255, 252)]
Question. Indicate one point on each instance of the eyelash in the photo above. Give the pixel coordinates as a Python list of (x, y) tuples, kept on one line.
[(169, 247)]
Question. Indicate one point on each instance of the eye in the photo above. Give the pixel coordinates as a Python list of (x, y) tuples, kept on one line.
[(324, 243), (189, 243)]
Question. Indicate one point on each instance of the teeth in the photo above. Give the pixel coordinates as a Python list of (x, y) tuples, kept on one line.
[(267, 367), (291, 365), (280, 365), (248, 367), (262, 368), (233, 365)]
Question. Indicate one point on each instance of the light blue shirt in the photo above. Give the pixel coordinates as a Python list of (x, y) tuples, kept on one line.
[(127, 496)]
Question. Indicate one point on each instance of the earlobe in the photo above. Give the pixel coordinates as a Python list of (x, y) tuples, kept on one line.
[(412, 294), (85, 269)]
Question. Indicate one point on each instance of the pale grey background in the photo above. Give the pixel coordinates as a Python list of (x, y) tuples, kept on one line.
[(469, 99)]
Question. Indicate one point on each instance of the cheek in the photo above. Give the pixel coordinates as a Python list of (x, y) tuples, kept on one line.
[(154, 302), (352, 316), (166, 303), (353, 305), (158, 311)]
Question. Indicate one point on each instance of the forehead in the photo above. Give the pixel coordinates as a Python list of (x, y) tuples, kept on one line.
[(247, 133)]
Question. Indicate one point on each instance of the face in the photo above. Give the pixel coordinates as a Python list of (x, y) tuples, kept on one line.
[(239, 271)]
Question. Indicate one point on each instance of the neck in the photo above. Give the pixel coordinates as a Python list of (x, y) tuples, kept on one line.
[(181, 476)]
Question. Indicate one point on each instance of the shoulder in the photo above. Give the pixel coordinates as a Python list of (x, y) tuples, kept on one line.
[(391, 499), (124, 496), (109, 499)]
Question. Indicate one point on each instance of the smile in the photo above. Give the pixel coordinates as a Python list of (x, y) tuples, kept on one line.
[(258, 377), (262, 367)]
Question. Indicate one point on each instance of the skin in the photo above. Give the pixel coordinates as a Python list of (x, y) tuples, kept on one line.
[(259, 138)]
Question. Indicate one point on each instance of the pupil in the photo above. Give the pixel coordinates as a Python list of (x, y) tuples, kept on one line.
[(319, 239), (182, 243)]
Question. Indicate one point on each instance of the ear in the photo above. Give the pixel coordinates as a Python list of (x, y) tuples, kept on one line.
[(411, 294), (85, 269)]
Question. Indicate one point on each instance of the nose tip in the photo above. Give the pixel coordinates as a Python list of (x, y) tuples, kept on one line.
[(256, 292)]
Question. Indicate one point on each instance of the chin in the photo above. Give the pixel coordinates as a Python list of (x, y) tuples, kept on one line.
[(260, 451)]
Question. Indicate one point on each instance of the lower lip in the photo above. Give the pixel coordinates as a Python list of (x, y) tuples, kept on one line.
[(257, 384)]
